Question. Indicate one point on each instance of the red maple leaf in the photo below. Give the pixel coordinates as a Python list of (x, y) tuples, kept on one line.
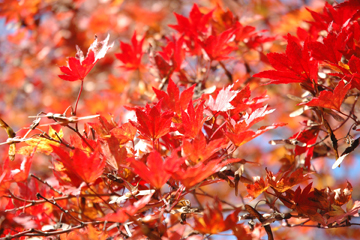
[(5, 176), (239, 133), (173, 100), (329, 99), (154, 170), (173, 54), (257, 39), (165, 69), (151, 123), (79, 66), (124, 214), (88, 167), (131, 55), (304, 202), (22, 173), (329, 50), (212, 221), (80, 165), (190, 176), (193, 28), (124, 133), (354, 71), (198, 150), (243, 103), (306, 138), (294, 66), (196, 24), (334, 17), (218, 47), (192, 120)]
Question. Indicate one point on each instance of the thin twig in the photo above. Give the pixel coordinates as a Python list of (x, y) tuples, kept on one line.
[(47, 184), (227, 72)]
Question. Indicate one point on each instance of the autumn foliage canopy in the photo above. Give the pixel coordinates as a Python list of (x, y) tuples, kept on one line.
[(179, 120)]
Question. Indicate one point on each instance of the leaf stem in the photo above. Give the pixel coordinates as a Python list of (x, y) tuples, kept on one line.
[(78, 97)]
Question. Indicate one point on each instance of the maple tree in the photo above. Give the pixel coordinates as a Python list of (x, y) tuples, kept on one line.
[(183, 120)]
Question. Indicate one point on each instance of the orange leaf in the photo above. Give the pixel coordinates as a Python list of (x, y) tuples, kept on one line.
[(329, 99), (284, 181), (212, 221), (199, 150), (191, 176), (259, 186), (124, 133), (154, 170)]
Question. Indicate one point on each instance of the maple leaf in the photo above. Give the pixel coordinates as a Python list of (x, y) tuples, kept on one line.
[(22, 173), (165, 69), (334, 17), (196, 24), (259, 186), (154, 170), (329, 99), (173, 100), (192, 120), (190, 176), (124, 133), (151, 123), (257, 39), (193, 28), (223, 99), (352, 71), (63, 169), (89, 167), (307, 138), (294, 66), (304, 202), (243, 103), (79, 66), (241, 99), (328, 51), (284, 181), (5, 176), (217, 47), (131, 55), (339, 215), (238, 132), (199, 150), (212, 221), (80, 165), (124, 214), (42, 144), (173, 54)]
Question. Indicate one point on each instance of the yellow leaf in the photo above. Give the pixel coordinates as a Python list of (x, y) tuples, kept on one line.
[(41, 144)]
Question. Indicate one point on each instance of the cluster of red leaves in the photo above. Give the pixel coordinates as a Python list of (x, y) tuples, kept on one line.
[(126, 177)]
